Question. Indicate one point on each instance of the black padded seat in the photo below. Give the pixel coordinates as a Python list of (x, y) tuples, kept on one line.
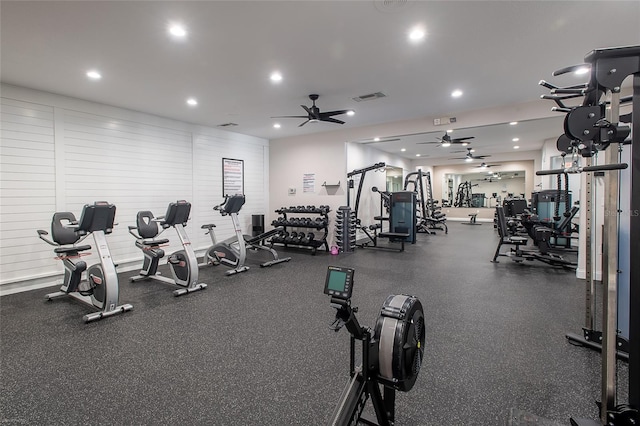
[(394, 234), (150, 242), (73, 249)]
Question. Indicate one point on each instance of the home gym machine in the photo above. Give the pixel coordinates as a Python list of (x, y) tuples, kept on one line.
[(596, 125), (399, 228), (401, 215), (101, 288), (464, 195), (362, 172), (232, 252), (430, 216), (391, 353), (183, 263)]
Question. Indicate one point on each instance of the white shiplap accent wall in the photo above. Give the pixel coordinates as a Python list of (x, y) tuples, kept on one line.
[(60, 153), (27, 185)]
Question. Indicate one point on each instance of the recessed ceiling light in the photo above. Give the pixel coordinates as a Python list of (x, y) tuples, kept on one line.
[(515, 139), (516, 147), (177, 30), (468, 159), (94, 75), (464, 143), (456, 93), (416, 34), (192, 102), (417, 155), (276, 125), (403, 149), (450, 131), (513, 123), (376, 139), (581, 71), (351, 112), (472, 150), (276, 77)]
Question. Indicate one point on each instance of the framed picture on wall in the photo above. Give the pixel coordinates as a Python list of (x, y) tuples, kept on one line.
[(232, 176)]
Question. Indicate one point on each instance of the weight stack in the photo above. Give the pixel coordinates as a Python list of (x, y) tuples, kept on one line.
[(346, 229)]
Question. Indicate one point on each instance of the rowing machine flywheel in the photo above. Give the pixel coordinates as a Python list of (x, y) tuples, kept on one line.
[(400, 335)]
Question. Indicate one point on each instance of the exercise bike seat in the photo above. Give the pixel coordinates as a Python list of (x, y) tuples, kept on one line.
[(71, 249), (147, 228)]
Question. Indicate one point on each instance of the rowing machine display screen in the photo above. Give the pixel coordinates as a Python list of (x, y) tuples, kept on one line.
[(339, 282)]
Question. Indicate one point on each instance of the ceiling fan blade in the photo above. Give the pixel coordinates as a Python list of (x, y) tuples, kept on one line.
[(303, 123), (459, 158), (456, 140), (306, 108), (291, 116), (426, 143), (331, 120), (330, 113), (480, 157)]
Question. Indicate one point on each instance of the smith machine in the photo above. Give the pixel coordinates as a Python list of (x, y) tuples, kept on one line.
[(593, 126)]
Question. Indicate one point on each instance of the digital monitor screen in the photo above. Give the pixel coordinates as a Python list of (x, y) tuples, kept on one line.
[(339, 282)]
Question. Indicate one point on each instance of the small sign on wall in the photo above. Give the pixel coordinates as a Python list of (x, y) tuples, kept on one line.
[(232, 176), (292, 191), (309, 183)]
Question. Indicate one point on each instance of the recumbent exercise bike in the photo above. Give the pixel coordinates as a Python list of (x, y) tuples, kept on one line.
[(391, 354), (101, 288), (183, 263)]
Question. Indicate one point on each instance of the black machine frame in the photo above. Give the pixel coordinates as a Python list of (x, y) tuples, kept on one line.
[(366, 379), (596, 125)]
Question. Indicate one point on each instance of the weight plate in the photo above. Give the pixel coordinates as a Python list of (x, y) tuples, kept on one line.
[(400, 334)]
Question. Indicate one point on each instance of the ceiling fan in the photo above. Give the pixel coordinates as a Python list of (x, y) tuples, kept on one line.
[(314, 114), (485, 165), (447, 140), (470, 156)]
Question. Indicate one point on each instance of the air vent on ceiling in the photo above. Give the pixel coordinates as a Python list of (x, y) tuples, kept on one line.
[(369, 97), (227, 124)]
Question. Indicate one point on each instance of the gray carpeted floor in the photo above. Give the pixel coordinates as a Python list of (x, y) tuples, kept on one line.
[(255, 348)]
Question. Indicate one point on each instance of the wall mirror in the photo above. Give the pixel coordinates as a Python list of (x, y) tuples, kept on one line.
[(498, 159), (484, 188), (395, 181)]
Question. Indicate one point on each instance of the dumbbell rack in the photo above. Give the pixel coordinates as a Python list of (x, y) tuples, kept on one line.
[(285, 223), (346, 229)]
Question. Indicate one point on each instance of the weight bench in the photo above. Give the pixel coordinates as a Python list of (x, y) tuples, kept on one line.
[(392, 236), (255, 243), (472, 219)]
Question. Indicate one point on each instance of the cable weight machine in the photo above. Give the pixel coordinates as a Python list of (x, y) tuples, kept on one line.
[(593, 126)]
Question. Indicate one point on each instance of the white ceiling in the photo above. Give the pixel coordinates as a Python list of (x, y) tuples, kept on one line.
[(495, 52)]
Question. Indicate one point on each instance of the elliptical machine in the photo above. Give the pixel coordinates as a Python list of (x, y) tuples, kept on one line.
[(183, 263), (232, 252), (391, 354), (101, 288)]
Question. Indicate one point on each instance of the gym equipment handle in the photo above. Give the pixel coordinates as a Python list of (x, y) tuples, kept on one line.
[(619, 166)]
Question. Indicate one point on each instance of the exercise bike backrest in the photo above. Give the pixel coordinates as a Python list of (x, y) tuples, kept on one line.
[(177, 213), (98, 216), (62, 232), (231, 204), (145, 225)]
